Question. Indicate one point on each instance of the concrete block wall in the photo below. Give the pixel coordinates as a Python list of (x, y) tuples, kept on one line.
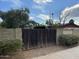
[(10, 33), (17, 33)]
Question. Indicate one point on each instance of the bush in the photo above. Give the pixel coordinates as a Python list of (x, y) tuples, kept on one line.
[(68, 40), (40, 27), (9, 46)]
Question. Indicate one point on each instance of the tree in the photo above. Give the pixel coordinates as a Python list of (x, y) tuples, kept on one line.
[(15, 18), (32, 22), (63, 16), (49, 22), (56, 25), (71, 21)]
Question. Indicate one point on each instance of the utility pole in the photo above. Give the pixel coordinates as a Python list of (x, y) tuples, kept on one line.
[(50, 19)]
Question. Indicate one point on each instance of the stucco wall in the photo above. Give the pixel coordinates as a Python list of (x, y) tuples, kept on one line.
[(76, 32), (67, 31), (58, 33)]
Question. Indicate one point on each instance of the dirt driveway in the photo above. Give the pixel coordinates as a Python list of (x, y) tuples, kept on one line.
[(38, 52), (72, 53)]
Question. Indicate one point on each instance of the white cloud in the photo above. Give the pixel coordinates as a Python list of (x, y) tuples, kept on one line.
[(14, 3), (55, 21), (77, 21), (72, 11), (31, 18), (38, 7), (43, 16), (42, 1), (41, 4)]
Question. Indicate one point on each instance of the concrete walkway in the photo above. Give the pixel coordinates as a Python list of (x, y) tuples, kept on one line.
[(72, 53)]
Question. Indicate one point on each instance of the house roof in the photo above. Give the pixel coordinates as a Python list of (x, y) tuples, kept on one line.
[(68, 25)]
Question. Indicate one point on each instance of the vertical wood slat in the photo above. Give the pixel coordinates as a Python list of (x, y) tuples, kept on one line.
[(33, 38)]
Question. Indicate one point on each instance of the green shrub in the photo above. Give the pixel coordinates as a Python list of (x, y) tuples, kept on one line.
[(9, 46), (40, 27), (68, 40)]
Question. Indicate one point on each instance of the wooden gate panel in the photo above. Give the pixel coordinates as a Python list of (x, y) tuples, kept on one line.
[(33, 38)]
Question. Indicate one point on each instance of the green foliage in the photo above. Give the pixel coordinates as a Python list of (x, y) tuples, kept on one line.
[(31, 22), (9, 46), (56, 25), (53, 25), (40, 27), (68, 40), (49, 22), (15, 18)]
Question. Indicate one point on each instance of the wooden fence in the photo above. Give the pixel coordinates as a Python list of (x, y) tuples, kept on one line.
[(34, 38)]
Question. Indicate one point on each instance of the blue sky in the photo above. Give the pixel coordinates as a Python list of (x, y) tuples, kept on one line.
[(39, 9)]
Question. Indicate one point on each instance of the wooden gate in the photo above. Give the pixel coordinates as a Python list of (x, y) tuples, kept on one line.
[(34, 38)]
